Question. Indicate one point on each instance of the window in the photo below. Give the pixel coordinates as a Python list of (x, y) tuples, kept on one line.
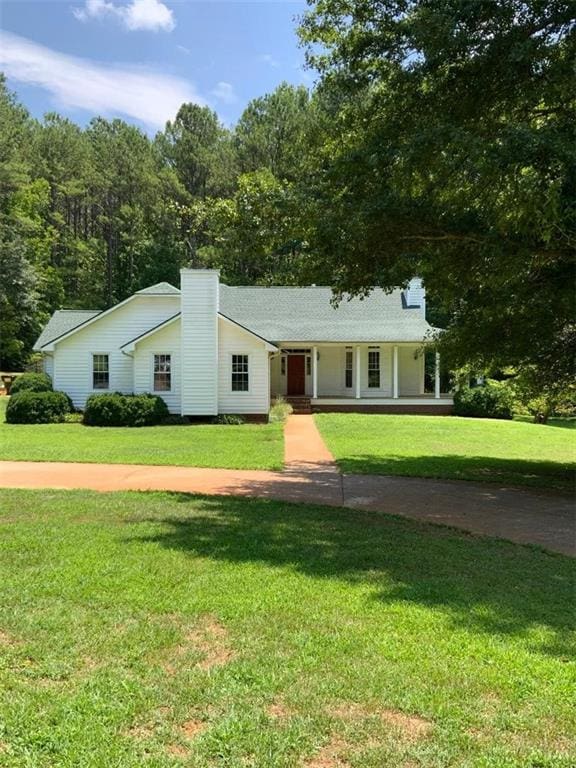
[(283, 365), (100, 372), (162, 373), (348, 367), (239, 373), (374, 367), (308, 365)]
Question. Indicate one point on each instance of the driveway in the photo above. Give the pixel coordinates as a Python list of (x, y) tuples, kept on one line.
[(311, 476)]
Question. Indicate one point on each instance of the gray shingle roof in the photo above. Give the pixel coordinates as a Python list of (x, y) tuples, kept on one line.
[(280, 314), (62, 321), (160, 289), (307, 314)]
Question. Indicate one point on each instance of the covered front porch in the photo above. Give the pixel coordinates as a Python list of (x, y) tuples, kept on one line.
[(392, 377)]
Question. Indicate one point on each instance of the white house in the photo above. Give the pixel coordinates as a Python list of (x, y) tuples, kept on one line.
[(209, 348)]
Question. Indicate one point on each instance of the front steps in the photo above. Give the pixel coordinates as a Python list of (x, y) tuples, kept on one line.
[(300, 404)]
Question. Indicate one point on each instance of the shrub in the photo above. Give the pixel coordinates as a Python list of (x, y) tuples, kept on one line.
[(280, 410), (229, 418), (32, 382), (73, 418), (118, 410), (493, 400), (29, 407), (537, 396)]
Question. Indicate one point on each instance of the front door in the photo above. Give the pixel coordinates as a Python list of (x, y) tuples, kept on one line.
[(296, 375)]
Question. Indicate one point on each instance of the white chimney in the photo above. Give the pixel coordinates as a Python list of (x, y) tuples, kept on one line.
[(415, 295), (199, 293)]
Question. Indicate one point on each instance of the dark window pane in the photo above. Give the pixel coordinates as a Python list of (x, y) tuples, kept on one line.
[(100, 372), (162, 373), (349, 363), (374, 368), (240, 379)]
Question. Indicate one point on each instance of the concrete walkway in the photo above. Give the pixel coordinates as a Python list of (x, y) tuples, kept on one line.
[(311, 476)]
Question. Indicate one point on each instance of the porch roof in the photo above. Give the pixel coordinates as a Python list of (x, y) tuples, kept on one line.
[(282, 314)]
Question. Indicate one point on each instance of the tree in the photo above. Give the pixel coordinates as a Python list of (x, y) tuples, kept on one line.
[(255, 237), (451, 153), (272, 132), (199, 149)]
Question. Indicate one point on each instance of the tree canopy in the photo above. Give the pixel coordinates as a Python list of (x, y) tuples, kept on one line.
[(451, 154)]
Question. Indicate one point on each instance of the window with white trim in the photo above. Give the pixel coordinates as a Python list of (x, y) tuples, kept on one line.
[(162, 373), (348, 367), (308, 365), (374, 367), (240, 376), (100, 372)]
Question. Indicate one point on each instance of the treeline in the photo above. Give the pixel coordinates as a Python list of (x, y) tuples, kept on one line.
[(88, 216)]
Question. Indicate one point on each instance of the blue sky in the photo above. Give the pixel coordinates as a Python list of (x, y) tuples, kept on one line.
[(139, 59)]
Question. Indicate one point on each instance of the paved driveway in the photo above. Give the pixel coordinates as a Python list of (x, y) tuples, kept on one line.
[(311, 476)]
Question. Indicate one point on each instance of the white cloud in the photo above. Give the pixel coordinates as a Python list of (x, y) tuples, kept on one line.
[(225, 92), (120, 89), (267, 58), (184, 50), (150, 15)]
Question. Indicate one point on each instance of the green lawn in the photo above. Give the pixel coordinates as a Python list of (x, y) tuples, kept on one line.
[(509, 452), (165, 630), (250, 446)]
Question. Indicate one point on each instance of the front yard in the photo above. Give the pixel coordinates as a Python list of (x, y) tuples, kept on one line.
[(249, 446), (168, 630), (506, 452)]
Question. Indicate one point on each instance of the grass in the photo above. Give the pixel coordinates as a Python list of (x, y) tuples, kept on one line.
[(507, 452), (249, 446), (166, 630)]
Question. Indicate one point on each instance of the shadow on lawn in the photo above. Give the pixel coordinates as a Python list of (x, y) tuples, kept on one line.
[(535, 474), (483, 585)]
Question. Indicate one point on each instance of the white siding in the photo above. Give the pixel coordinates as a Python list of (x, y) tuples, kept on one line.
[(166, 341), (48, 365), (234, 340), (73, 356), (199, 342), (331, 378), (277, 381), (410, 371)]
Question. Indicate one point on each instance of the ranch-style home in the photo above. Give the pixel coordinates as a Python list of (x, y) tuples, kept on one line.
[(209, 348)]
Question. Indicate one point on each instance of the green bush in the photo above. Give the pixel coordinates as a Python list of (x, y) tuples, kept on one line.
[(279, 410), (31, 382), (493, 400), (29, 407), (118, 410), (229, 418)]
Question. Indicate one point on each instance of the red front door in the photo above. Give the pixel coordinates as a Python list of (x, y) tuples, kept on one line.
[(296, 375)]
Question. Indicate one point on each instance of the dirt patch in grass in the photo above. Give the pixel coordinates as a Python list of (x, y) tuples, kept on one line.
[(209, 637), (330, 756), (177, 750), (410, 726), (279, 711), (6, 639), (141, 732), (192, 728)]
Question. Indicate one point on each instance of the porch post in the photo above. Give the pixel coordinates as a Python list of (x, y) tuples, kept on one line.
[(395, 373), (437, 376), (358, 373), (314, 372)]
